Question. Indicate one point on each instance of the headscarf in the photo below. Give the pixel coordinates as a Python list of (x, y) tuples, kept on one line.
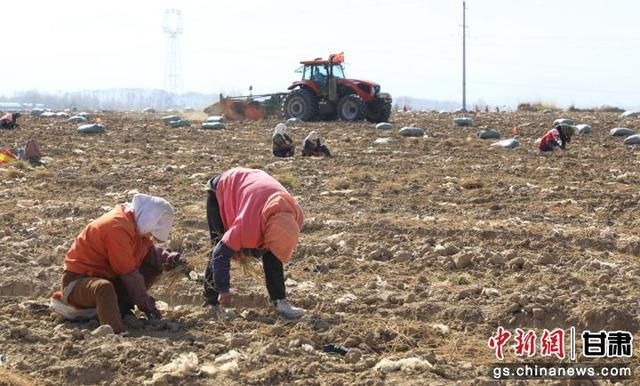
[(280, 129), (153, 215), (281, 235), (313, 136), (282, 219)]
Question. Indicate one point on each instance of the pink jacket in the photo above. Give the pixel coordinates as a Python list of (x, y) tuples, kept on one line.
[(550, 136), (243, 195)]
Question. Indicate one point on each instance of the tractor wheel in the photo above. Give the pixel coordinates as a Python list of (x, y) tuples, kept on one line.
[(379, 110), (351, 108), (301, 104)]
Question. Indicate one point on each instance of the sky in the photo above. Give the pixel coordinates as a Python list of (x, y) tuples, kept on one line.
[(582, 52)]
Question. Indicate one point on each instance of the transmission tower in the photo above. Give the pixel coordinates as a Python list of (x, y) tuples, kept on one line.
[(172, 27)]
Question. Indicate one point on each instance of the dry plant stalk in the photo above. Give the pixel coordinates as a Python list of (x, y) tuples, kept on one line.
[(248, 266), (172, 279)]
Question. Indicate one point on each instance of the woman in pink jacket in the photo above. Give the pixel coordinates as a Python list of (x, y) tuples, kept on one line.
[(250, 214)]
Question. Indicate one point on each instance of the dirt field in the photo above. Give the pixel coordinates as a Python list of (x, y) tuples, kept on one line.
[(417, 250)]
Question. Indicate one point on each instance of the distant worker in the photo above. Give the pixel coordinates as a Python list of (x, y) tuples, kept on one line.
[(30, 152), (113, 261), (250, 215), (314, 146), (9, 121), (559, 136), (282, 144)]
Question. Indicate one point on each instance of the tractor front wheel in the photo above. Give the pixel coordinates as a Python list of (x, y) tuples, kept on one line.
[(351, 108), (301, 104)]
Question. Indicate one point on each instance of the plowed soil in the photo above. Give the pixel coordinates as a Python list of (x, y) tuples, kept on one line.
[(413, 251)]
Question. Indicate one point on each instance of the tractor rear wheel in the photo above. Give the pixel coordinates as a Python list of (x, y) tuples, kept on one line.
[(379, 110), (351, 108), (301, 104)]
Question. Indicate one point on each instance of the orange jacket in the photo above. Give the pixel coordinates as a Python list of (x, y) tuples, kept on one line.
[(108, 247)]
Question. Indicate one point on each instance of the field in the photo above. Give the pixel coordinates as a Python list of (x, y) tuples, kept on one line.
[(411, 257)]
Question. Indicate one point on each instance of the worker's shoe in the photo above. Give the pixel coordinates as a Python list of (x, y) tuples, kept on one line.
[(284, 308)]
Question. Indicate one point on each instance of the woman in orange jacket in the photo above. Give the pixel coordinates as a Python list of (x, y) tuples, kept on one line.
[(113, 261)]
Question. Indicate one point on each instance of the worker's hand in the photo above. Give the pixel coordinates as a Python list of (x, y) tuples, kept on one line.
[(175, 259), (225, 299), (166, 260)]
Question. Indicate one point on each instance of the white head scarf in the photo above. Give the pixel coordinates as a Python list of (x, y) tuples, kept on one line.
[(280, 129), (153, 215), (313, 136)]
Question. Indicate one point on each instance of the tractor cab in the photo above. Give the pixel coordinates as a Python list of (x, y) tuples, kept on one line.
[(322, 76), (320, 72)]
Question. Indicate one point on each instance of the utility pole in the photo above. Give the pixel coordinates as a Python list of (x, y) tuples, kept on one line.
[(464, 56)]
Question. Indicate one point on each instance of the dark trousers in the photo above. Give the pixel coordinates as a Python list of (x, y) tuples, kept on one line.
[(284, 153), (325, 150), (273, 269), (7, 125), (317, 151), (549, 146)]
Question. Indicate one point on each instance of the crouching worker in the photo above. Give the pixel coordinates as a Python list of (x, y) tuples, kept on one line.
[(113, 262), (282, 143), (250, 214), (559, 136), (9, 121), (314, 146)]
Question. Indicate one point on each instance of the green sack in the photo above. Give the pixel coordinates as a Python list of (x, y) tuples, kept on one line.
[(91, 129), (621, 132), (463, 121), (213, 125), (488, 134), (411, 132), (170, 118), (180, 123), (384, 126), (215, 118)]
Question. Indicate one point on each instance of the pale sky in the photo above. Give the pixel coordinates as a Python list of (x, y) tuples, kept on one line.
[(565, 51)]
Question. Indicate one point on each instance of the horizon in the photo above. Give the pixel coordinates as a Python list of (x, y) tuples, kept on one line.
[(411, 102), (580, 54)]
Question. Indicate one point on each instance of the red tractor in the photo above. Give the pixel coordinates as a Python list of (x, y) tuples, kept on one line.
[(325, 93)]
